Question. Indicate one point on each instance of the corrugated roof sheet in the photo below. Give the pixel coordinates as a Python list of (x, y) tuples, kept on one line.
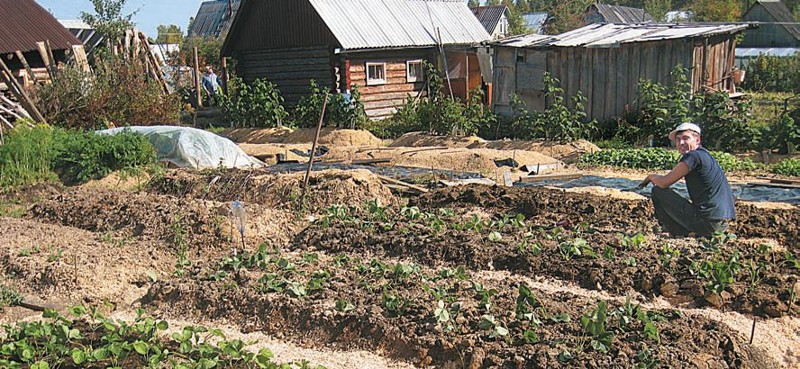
[(489, 16), (367, 24), (535, 21), (622, 14), (607, 35), (213, 18), (780, 13), (753, 52), (24, 22)]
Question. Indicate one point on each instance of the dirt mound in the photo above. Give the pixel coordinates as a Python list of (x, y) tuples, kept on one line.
[(455, 159), (568, 152), (420, 139), (67, 265), (331, 187), (157, 217), (328, 187), (562, 151), (257, 135), (118, 181), (334, 137)]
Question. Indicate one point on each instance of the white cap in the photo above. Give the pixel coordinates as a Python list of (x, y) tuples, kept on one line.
[(687, 126)]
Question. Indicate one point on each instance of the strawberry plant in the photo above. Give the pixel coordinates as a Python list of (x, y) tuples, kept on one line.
[(594, 326), (496, 328)]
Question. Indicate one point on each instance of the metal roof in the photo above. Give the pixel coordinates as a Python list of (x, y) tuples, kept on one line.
[(213, 18), (780, 13), (369, 24), (610, 35), (24, 22), (535, 21), (621, 14), (753, 52), (489, 16)]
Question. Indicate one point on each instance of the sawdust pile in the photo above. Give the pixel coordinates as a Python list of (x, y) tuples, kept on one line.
[(327, 137), (560, 151), (330, 187)]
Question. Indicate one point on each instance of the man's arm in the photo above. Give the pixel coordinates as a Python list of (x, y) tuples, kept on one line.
[(664, 181)]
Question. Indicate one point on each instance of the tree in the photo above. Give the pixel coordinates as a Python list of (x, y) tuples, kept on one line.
[(108, 19), (716, 10), (516, 25), (657, 8), (474, 3), (169, 34)]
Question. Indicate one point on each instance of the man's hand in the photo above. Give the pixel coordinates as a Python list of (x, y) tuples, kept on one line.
[(644, 183)]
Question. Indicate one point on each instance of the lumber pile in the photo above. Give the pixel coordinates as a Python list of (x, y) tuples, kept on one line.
[(134, 45)]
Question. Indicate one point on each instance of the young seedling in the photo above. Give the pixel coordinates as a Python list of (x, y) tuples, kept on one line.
[(496, 328), (594, 326)]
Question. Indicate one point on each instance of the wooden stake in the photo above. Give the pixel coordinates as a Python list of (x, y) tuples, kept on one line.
[(224, 71), (753, 330), (53, 64), (314, 147), (40, 46), (197, 79)]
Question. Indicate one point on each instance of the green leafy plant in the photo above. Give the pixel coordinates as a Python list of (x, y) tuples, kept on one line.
[(494, 326), (340, 111), (787, 167), (594, 326), (255, 104)]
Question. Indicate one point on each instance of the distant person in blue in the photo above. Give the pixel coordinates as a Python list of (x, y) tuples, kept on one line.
[(210, 84), (711, 206)]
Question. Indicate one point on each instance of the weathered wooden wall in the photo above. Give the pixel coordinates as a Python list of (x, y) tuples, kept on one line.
[(380, 101), (291, 69), (766, 35), (608, 77)]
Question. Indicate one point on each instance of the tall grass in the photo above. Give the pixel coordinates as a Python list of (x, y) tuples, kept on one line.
[(26, 157)]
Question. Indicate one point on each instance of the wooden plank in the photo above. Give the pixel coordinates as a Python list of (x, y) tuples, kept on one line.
[(623, 97), (546, 177), (53, 64), (634, 56), (613, 101), (776, 185), (79, 55), (401, 183), (780, 180), (40, 46), (25, 64), (599, 74), (22, 97)]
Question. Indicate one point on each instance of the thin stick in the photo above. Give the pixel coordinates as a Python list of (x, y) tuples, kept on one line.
[(314, 147), (753, 330)]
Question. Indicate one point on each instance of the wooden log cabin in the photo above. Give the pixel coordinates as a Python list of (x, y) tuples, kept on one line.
[(377, 45)]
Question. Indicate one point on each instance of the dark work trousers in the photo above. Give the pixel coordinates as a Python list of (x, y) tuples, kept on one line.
[(679, 217)]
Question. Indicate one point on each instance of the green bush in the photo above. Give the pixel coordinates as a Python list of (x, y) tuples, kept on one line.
[(87, 155), (120, 92), (340, 111), (658, 159), (257, 104), (43, 153), (773, 73), (787, 167)]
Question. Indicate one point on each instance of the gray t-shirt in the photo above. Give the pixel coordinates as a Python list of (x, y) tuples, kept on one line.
[(708, 187)]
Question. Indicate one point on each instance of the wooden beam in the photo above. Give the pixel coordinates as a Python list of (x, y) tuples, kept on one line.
[(546, 177), (53, 63), (40, 46), (403, 184), (16, 89), (25, 64), (780, 180), (79, 56)]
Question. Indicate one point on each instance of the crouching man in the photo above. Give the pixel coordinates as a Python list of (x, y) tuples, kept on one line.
[(711, 205)]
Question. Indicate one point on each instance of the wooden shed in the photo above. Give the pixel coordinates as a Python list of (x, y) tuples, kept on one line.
[(606, 61), (377, 45)]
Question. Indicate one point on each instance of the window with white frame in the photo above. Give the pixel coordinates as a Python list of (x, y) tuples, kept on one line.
[(414, 72), (376, 73)]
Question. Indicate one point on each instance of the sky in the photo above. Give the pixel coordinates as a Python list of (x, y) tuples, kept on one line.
[(150, 14)]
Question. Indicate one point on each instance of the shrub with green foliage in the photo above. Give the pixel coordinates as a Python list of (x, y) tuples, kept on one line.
[(43, 153), (84, 156), (255, 104), (120, 92), (340, 111), (787, 167), (773, 73), (658, 159)]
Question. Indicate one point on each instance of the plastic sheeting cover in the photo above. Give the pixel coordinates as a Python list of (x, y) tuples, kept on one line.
[(746, 193), (188, 147)]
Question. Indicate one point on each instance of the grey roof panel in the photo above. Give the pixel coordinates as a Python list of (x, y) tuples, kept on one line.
[(622, 14), (605, 35), (489, 15), (781, 14), (535, 21), (363, 24), (212, 18)]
